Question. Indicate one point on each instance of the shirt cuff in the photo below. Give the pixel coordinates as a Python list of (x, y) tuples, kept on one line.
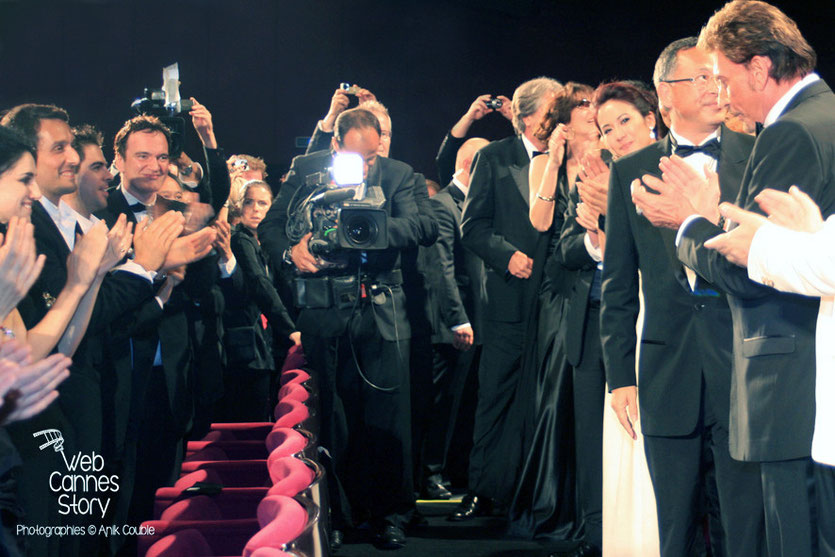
[(226, 269), (136, 269), (459, 327), (684, 226), (758, 253), (594, 252), (159, 301)]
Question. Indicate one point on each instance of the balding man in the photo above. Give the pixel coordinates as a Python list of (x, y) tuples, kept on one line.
[(455, 277)]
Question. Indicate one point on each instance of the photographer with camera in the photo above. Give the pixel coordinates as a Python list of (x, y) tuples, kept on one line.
[(353, 321), (455, 138), (323, 133)]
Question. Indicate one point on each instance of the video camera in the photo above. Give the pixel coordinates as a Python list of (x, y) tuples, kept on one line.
[(165, 103), (340, 210)]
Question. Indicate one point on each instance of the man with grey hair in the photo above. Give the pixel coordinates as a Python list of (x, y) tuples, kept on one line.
[(496, 227)]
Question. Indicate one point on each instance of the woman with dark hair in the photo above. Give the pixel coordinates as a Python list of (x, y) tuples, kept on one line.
[(253, 311), (544, 503), (628, 121)]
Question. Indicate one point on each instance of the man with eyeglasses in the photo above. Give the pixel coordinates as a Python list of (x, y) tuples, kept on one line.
[(685, 354)]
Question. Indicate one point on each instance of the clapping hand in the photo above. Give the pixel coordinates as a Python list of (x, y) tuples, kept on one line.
[(119, 240), (84, 262), (20, 265), (681, 192), (593, 185), (28, 388)]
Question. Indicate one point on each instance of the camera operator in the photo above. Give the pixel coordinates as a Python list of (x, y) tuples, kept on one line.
[(358, 346), (455, 138)]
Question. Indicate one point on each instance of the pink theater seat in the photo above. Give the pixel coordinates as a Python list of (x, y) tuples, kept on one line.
[(293, 474), (294, 391), (243, 431), (232, 473), (208, 453), (199, 507), (287, 441), (290, 413), (234, 450), (224, 537), (185, 542), (295, 359), (282, 520), (294, 376)]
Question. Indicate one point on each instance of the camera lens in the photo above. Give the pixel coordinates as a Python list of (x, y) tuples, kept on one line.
[(361, 230)]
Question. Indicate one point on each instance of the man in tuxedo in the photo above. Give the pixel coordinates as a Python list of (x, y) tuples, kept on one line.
[(764, 67), (78, 412), (455, 277), (789, 252), (496, 227), (684, 365), (357, 342)]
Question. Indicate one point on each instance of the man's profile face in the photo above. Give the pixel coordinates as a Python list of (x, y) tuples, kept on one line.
[(365, 142), (735, 87), (93, 178), (145, 163), (385, 134), (696, 102), (57, 163)]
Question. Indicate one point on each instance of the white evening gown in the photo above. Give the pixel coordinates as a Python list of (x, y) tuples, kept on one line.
[(630, 521)]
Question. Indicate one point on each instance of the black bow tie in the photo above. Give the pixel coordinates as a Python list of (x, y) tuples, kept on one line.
[(711, 149), (137, 208), (758, 127), (535, 153)]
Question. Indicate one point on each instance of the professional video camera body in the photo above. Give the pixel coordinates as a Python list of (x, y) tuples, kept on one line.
[(343, 214), (165, 103)]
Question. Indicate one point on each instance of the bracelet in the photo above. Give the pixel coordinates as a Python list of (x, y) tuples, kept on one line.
[(548, 199)]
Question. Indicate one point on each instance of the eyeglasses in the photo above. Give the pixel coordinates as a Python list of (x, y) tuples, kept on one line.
[(701, 81)]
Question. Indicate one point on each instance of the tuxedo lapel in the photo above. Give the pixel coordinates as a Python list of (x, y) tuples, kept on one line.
[(732, 160), (48, 230), (519, 169)]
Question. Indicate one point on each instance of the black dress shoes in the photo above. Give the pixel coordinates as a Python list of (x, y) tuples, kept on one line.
[(582, 550), (434, 489), (391, 537), (336, 540), (471, 506)]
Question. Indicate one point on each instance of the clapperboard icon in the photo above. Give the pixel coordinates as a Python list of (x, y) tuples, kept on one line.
[(54, 438)]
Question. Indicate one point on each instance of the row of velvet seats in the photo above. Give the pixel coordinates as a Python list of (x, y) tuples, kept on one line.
[(252, 489)]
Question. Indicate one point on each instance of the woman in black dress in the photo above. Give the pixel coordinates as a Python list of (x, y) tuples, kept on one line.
[(254, 311)]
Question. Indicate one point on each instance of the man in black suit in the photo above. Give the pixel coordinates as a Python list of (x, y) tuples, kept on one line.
[(357, 341), (77, 413), (455, 277), (765, 70), (684, 366), (496, 227)]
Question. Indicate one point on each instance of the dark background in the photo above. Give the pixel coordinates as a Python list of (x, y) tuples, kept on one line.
[(267, 69)]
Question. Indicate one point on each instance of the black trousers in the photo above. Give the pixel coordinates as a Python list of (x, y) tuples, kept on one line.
[(589, 396), (449, 375), (494, 452), (788, 491), (676, 469), (825, 504), (365, 428)]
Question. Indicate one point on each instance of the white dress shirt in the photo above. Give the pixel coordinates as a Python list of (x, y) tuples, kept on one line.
[(64, 218), (804, 263)]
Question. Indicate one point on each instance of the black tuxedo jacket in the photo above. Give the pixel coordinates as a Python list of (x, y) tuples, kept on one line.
[(455, 274), (445, 159), (135, 341), (684, 337), (773, 389), (396, 179), (575, 257), (495, 224)]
